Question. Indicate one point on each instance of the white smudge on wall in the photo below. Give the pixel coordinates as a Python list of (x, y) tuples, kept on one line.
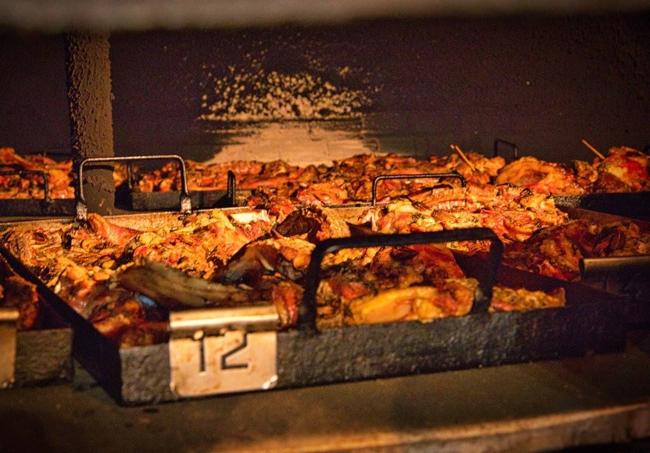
[(252, 94), (268, 114), (298, 143)]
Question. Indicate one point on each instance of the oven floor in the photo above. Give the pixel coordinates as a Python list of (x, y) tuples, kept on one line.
[(602, 399)]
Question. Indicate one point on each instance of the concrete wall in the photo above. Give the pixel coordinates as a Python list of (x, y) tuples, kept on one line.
[(542, 82)]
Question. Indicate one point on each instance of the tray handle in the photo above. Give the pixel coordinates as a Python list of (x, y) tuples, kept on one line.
[(185, 201), (23, 172), (231, 188), (307, 317), (378, 179), (598, 266), (500, 144)]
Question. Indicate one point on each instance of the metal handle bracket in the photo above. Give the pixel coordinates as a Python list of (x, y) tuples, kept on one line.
[(82, 208), (498, 144), (378, 179), (307, 317)]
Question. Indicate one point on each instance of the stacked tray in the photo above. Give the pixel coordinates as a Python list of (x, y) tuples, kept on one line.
[(215, 351), (36, 354)]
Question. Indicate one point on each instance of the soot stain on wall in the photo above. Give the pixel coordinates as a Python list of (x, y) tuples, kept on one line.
[(543, 82)]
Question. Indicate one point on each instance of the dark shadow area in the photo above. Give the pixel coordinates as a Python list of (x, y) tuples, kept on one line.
[(542, 82)]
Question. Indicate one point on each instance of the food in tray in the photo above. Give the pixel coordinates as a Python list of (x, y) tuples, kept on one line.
[(350, 180), (540, 176), (344, 181), (513, 214), (16, 292), (59, 174), (125, 279), (556, 251), (511, 299), (622, 170)]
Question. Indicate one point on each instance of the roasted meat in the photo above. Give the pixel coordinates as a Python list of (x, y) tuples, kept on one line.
[(540, 176), (509, 299), (59, 176), (556, 251), (623, 170)]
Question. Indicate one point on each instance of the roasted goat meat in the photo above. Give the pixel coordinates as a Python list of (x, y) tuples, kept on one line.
[(59, 176), (513, 214), (201, 244), (288, 252), (623, 170), (540, 176), (510, 299), (418, 282), (556, 251)]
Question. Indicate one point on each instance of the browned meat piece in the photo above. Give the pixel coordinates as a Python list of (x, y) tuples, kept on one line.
[(623, 170), (327, 193), (112, 233), (288, 257), (399, 283), (277, 206), (509, 299), (203, 244), (556, 251), (314, 224), (540, 176), (586, 174), (422, 303)]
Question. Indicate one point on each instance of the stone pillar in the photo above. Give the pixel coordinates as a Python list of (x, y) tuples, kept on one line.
[(88, 70)]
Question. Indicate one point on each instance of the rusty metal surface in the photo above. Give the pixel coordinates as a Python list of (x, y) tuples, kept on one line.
[(62, 15), (88, 71), (592, 321)]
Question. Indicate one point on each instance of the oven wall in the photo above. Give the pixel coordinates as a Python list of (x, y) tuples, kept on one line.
[(420, 84)]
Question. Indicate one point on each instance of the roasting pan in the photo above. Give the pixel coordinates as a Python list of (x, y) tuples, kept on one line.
[(132, 200), (627, 204), (36, 356), (592, 321), (47, 206)]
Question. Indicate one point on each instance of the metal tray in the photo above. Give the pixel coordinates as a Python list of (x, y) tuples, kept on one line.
[(627, 204), (16, 207), (38, 356), (592, 321), (128, 199)]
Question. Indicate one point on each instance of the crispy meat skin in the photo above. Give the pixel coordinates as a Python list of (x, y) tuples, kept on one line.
[(556, 251), (509, 299), (59, 174), (270, 252), (623, 170), (31, 186), (540, 176)]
